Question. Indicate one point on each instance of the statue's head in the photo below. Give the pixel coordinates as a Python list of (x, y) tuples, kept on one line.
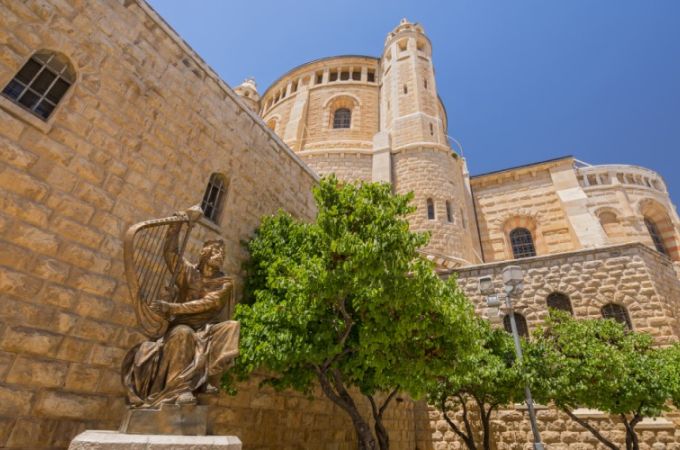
[(212, 254)]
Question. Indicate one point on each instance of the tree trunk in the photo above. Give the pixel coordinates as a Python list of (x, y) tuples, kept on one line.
[(337, 393), (590, 428), (632, 442), (485, 417), (469, 440), (380, 430)]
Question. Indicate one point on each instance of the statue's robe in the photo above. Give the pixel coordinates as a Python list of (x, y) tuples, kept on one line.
[(195, 346)]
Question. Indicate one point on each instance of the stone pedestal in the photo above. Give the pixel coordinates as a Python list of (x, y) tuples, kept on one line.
[(188, 420), (114, 440)]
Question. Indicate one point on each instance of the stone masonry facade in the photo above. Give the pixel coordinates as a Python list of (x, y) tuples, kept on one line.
[(145, 125)]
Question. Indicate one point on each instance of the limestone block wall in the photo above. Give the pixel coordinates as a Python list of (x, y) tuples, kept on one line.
[(524, 197), (622, 196), (432, 173), (631, 275), (136, 137), (349, 167)]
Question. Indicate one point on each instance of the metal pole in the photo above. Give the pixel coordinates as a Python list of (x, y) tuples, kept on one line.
[(538, 445)]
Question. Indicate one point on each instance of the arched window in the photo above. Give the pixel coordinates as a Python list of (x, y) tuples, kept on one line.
[(342, 118), (559, 301), (522, 243), (618, 313), (41, 83), (449, 213), (430, 209), (656, 236), (520, 321), (272, 124), (214, 196)]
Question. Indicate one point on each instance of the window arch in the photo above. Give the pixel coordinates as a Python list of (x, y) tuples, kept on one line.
[(342, 118), (653, 231), (522, 243), (610, 224), (213, 198), (520, 321), (618, 313), (271, 123), (41, 83), (430, 209), (560, 302), (449, 212)]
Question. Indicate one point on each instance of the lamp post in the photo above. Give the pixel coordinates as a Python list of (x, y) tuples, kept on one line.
[(513, 281)]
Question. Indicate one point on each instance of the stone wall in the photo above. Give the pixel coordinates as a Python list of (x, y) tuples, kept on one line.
[(631, 275), (136, 137), (349, 167)]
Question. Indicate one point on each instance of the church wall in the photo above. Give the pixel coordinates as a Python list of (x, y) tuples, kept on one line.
[(526, 198), (629, 274), (349, 167), (136, 137)]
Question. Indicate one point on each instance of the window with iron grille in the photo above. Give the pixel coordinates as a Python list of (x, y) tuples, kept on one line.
[(430, 209), (520, 321), (618, 313), (41, 83), (559, 301), (656, 236), (522, 243), (342, 118), (214, 197)]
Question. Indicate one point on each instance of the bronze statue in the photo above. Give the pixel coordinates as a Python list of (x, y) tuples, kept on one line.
[(177, 305)]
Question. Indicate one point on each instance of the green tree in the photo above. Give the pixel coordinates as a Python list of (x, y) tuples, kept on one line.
[(346, 301), (483, 380), (599, 364)]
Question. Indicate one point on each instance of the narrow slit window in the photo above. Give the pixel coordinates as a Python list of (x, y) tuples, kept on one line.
[(449, 213), (319, 77), (405, 89), (41, 83), (430, 209), (214, 196), (431, 130), (653, 231)]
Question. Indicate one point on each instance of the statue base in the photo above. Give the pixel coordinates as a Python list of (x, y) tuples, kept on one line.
[(114, 440), (186, 420)]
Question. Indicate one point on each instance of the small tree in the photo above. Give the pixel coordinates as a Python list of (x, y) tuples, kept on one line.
[(484, 380), (599, 364), (346, 301)]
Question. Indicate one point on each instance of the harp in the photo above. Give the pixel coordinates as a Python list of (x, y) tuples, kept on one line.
[(148, 273)]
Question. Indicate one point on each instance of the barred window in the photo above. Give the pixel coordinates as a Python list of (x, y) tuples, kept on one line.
[(618, 313), (430, 209), (522, 243), (342, 118), (214, 196), (520, 321), (656, 236), (559, 301), (41, 83)]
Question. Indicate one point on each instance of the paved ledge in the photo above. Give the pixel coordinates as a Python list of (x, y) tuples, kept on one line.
[(114, 440)]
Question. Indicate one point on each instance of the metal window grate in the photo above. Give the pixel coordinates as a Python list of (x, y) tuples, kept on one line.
[(617, 313), (41, 83), (520, 321), (522, 243), (342, 118), (213, 197), (559, 301), (656, 236)]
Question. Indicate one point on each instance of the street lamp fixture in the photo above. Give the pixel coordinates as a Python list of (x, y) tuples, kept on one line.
[(513, 285)]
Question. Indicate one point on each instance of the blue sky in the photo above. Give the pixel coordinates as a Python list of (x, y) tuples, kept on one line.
[(522, 80)]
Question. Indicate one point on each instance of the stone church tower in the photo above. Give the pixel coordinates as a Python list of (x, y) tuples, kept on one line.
[(380, 119)]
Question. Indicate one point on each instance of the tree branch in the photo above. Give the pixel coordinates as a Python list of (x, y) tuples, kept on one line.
[(466, 421), (455, 428), (590, 428)]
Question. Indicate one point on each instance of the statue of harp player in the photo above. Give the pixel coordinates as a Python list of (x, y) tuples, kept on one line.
[(177, 304)]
